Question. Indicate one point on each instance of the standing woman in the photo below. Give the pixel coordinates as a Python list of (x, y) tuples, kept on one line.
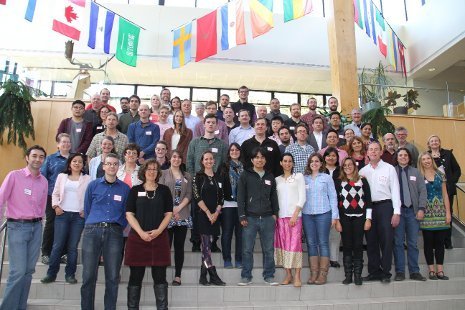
[(155, 104), (354, 199), (435, 222), (230, 173), (68, 204), (348, 135), (178, 137), (100, 126), (366, 134), (96, 163), (446, 162), (358, 152), (180, 185), (320, 213), (148, 211), (208, 195), (288, 234)]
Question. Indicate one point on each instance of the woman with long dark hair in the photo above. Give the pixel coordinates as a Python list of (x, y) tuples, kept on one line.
[(358, 152), (178, 137)]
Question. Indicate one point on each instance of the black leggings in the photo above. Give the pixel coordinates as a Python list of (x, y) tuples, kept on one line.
[(352, 235), (178, 235), (434, 246), (137, 273)]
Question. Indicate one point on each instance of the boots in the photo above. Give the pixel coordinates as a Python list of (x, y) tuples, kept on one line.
[(133, 297), (203, 275), (161, 296), (314, 268), (358, 267), (214, 278), (324, 266), (348, 269)]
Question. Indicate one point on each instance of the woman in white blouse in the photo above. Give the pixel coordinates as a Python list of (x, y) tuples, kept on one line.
[(288, 234)]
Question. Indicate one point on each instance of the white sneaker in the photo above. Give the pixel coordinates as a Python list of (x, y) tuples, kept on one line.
[(245, 282), (271, 282)]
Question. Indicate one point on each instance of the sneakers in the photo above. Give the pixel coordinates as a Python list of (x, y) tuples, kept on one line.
[(245, 282), (64, 259), (48, 279), (400, 276), (417, 276), (228, 264), (45, 259), (238, 265), (70, 280), (271, 282)]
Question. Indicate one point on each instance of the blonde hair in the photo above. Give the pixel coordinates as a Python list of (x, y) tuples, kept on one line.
[(420, 166), (431, 137)]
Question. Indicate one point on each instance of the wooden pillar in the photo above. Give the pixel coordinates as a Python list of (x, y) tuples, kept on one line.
[(342, 53)]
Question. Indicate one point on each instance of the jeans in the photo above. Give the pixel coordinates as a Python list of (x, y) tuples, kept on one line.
[(24, 248), (229, 224), (316, 229), (95, 242), (408, 228), (68, 229), (265, 227)]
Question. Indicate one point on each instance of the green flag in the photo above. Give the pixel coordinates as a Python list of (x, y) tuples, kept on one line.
[(128, 39)]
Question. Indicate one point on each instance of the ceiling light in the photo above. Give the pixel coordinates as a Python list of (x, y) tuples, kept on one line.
[(431, 69)]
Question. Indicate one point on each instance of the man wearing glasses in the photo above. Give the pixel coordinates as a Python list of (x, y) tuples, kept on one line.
[(401, 134), (300, 150), (243, 103), (104, 213)]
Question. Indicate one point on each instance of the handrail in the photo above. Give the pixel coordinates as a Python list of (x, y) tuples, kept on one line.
[(457, 216), (2, 253)]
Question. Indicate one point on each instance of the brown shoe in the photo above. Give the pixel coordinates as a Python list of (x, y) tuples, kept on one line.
[(324, 266), (286, 281), (314, 268)]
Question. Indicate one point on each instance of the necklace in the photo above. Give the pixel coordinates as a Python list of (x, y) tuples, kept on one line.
[(151, 197)]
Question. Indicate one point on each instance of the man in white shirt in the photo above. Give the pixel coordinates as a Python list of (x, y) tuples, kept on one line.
[(385, 215), (316, 138), (244, 131), (189, 119), (356, 122)]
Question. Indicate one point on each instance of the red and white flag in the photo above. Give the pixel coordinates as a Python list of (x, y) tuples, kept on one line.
[(69, 17)]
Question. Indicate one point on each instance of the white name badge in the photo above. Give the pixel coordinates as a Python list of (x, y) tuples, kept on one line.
[(78, 129), (292, 128), (99, 127), (117, 198), (413, 178), (267, 182), (148, 133), (214, 150), (141, 194), (220, 185), (27, 191), (270, 149), (341, 137), (185, 180), (426, 181), (307, 186), (217, 132)]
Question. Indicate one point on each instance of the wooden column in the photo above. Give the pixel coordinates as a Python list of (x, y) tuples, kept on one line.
[(342, 53)]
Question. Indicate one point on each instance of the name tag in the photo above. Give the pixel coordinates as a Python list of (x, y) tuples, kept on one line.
[(27, 191), (217, 132), (341, 137), (426, 181), (117, 198), (267, 182), (307, 186), (78, 129), (185, 180), (99, 127), (413, 178), (292, 128), (270, 149), (356, 163), (214, 150), (220, 185), (148, 133), (237, 114), (140, 194)]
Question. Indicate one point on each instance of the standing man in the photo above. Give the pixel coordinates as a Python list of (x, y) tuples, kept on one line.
[(335, 124), (300, 150), (224, 102), (124, 103), (228, 115), (221, 131), (401, 134), (389, 149), (104, 212), (24, 193), (189, 119), (165, 97), (285, 137), (243, 104), (308, 118), (105, 98), (200, 111), (144, 133), (294, 120), (333, 104), (356, 122), (274, 110), (317, 138), (385, 196), (91, 115), (244, 131), (132, 116), (332, 140), (258, 208)]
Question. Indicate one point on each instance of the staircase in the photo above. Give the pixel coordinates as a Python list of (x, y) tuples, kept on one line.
[(407, 294)]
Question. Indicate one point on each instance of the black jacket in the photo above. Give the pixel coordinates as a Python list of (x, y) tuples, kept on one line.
[(452, 170), (272, 155)]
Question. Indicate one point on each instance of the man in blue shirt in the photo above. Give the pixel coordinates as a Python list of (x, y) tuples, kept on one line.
[(104, 212)]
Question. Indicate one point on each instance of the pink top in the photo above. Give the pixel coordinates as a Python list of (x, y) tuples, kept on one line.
[(128, 179), (24, 194), (163, 128)]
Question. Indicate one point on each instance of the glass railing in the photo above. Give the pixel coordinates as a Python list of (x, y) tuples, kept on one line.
[(459, 204)]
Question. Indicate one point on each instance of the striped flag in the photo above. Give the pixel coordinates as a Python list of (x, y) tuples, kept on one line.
[(391, 48), (3, 2), (101, 24), (31, 7), (381, 31), (68, 17), (358, 17), (294, 9), (261, 15), (232, 25)]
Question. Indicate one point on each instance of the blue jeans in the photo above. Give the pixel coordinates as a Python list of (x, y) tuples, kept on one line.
[(96, 241), (67, 231), (229, 224), (24, 241), (408, 228), (265, 227), (316, 229)]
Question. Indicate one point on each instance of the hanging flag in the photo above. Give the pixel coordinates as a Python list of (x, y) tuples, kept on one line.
[(128, 41), (68, 18), (294, 9), (357, 14), (372, 22), (182, 45), (381, 31), (206, 36), (261, 16), (31, 7), (391, 48), (3, 2), (402, 58), (366, 17), (232, 25), (100, 27)]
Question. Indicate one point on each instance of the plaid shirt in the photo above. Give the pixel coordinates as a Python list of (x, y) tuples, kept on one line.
[(94, 150), (301, 155)]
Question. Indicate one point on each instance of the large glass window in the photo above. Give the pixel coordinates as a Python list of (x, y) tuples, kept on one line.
[(260, 97), (233, 95), (181, 92), (204, 94), (286, 99), (61, 89), (146, 92)]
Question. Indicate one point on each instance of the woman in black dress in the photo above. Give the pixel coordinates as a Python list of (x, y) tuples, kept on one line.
[(148, 211), (208, 195)]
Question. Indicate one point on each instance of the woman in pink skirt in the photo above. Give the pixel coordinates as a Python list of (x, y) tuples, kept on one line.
[(288, 233)]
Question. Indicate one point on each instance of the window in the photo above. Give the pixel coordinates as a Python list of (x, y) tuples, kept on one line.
[(204, 94), (233, 95), (146, 92), (261, 97), (61, 89), (286, 99), (183, 93)]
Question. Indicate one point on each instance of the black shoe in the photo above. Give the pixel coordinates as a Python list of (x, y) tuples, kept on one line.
[(214, 278), (372, 277), (45, 259), (440, 275), (203, 276), (432, 275), (195, 247), (358, 267), (215, 248), (417, 276), (70, 280), (48, 279), (348, 269), (133, 297), (161, 296), (400, 276), (334, 264), (449, 247), (385, 280)]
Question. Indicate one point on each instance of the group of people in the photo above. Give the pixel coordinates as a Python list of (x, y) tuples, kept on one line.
[(132, 184)]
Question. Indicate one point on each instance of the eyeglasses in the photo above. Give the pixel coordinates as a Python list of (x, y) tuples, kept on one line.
[(112, 164)]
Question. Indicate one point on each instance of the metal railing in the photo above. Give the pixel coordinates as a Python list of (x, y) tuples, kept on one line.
[(3, 229), (459, 204)]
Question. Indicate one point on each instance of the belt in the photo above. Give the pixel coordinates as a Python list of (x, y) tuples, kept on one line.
[(381, 201), (38, 219), (104, 224), (405, 207)]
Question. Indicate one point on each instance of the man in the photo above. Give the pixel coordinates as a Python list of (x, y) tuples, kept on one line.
[(332, 140), (144, 133), (161, 149), (413, 197), (200, 110), (294, 120), (224, 102), (189, 119), (335, 124), (308, 118), (243, 104), (124, 103), (401, 134), (285, 137), (300, 150), (272, 153), (24, 194), (316, 138), (105, 98), (163, 122), (228, 115), (54, 165), (79, 130), (356, 122), (92, 115), (165, 97), (274, 110), (121, 140), (261, 113), (221, 131), (276, 123), (104, 213), (257, 202), (244, 131), (333, 104), (385, 196), (132, 116), (389, 149)]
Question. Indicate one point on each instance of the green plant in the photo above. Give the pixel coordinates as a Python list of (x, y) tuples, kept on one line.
[(411, 99), (391, 98), (380, 124), (15, 113), (373, 84)]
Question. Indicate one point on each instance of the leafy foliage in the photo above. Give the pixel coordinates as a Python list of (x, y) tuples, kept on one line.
[(379, 122)]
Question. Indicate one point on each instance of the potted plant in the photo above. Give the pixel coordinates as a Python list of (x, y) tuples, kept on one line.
[(15, 113), (380, 125), (410, 99), (373, 85)]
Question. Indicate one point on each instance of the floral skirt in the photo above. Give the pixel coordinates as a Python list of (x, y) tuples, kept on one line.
[(288, 243), (186, 222)]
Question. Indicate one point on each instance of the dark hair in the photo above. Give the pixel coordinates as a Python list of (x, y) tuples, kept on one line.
[(308, 170), (35, 147), (177, 152), (277, 118), (175, 97), (70, 159), (161, 142), (111, 155), (211, 102), (258, 150), (202, 167), (227, 163), (366, 124), (317, 117), (333, 131), (210, 116), (123, 98), (351, 149), (100, 110), (78, 102), (224, 95), (292, 157), (332, 97), (284, 127), (330, 150), (109, 138), (261, 118), (144, 167), (132, 147), (334, 113), (135, 96), (243, 87), (302, 125), (343, 175), (243, 110), (408, 153)]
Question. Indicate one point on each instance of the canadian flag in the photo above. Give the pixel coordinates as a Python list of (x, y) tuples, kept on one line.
[(67, 18)]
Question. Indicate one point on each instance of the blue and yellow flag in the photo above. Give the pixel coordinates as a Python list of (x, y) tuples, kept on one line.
[(182, 45)]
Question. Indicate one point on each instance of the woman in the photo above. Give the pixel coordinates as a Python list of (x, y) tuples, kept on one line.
[(331, 160), (446, 162), (357, 151), (348, 135), (68, 203), (96, 163), (366, 134), (175, 104), (162, 122), (100, 126), (288, 234), (178, 137), (148, 211), (435, 222), (354, 199), (320, 213), (208, 195), (230, 173), (155, 104), (180, 185)]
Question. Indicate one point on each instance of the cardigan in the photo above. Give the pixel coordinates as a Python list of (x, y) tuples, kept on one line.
[(59, 190), (183, 143), (167, 178), (86, 137)]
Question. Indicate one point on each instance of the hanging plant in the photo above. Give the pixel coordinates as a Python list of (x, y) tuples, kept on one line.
[(15, 113)]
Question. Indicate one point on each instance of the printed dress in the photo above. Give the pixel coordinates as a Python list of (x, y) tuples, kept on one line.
[(435, 215)]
